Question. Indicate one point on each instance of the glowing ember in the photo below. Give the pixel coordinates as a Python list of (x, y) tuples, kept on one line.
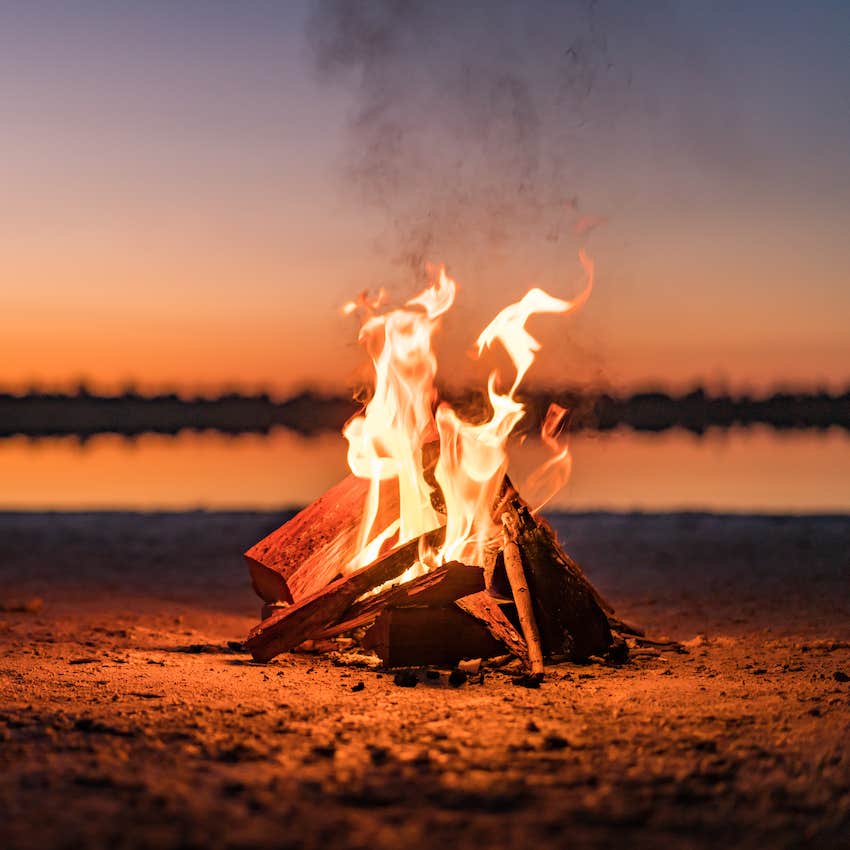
[(387, 439)]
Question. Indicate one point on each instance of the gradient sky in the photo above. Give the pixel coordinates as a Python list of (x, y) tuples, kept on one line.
[(178, 206)]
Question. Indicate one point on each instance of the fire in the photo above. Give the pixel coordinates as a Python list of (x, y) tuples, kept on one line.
[(387, 440)]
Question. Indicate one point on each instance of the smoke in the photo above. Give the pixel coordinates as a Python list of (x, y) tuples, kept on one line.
[(471, 120)]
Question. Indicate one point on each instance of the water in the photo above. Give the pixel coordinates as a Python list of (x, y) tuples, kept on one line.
[(741, 470)]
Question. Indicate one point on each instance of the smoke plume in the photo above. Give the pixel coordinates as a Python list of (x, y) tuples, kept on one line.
[(470, 118)]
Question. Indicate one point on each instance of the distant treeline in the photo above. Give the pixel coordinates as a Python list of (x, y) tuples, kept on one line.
[(85, 414)]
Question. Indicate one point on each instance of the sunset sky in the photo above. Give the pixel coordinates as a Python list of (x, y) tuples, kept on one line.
[(191, 190)]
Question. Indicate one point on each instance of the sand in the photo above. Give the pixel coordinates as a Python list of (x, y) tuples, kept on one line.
[(129, 716)]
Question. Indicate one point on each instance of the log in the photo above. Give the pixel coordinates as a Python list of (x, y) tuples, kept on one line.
[(497, 582), (571, 621), (522, 599), (441, 586), (486, 610), (270, 608), (417, 635), (309, 616), (306, 553)]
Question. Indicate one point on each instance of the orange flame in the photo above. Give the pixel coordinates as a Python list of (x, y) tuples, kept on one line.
[(386, 440), (551, 476)]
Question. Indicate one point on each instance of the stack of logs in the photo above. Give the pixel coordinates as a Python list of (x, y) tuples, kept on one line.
[(530, 599)]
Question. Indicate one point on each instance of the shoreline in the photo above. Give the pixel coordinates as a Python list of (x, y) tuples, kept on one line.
[(129, 713)]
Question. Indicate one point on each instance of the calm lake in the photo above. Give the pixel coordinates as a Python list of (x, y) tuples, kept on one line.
[(739, 470)]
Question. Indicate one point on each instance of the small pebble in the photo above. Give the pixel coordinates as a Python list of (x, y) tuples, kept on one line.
[(555, 742), (379, 755)]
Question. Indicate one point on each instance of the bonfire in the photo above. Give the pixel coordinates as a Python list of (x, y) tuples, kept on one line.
[(428, 553)]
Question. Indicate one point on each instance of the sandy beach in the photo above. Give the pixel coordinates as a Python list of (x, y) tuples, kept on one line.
[(130, 714)]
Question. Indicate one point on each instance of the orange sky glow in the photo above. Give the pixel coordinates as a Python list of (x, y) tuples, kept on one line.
[(179, 216)]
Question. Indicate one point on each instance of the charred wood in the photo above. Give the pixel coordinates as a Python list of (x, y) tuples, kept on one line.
[(418, 635)]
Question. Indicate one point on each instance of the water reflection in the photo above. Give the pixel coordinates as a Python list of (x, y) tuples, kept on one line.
[(755, 469)]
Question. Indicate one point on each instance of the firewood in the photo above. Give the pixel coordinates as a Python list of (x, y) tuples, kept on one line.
[(496, 577), (415, 636), (522, 599), (320, 646), (567, 609), (270, 608), (486, 610), (307, 552), (472, 666), (506, 495), (309, 616), (441, 586)]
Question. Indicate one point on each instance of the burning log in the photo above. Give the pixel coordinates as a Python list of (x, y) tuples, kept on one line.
[(441, 586), (571, 622), (559, 612), (304, 554), (311, 615), (413, 636)]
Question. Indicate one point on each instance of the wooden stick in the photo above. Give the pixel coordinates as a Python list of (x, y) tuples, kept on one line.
[(522, 598), (570, 620)]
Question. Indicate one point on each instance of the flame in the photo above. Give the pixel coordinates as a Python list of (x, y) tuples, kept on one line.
[(509, 326), (386, 440), (552, 475)]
